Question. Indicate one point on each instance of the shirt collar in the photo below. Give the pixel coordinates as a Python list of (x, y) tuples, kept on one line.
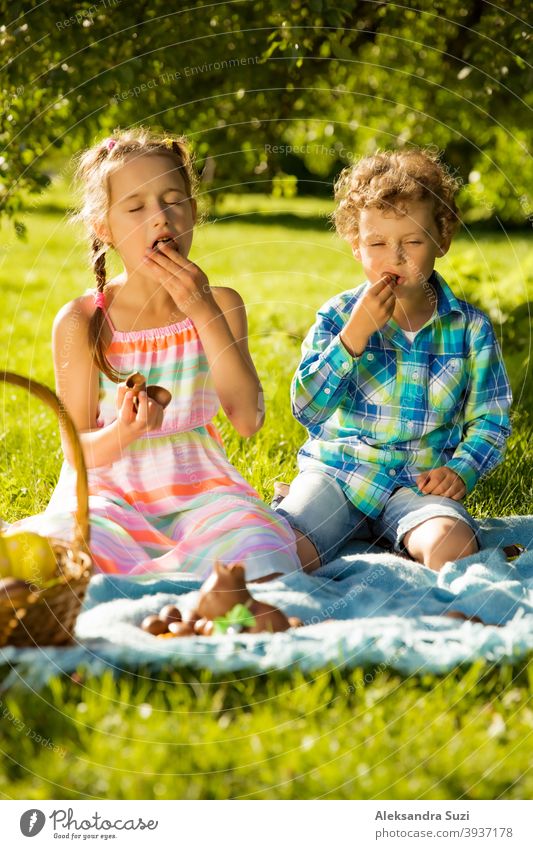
[(446, 300)]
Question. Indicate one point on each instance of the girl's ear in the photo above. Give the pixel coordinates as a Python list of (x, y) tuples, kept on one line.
[(194, 209), (101, 232)]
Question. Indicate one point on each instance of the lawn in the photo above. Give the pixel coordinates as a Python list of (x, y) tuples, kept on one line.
[(335, 734)]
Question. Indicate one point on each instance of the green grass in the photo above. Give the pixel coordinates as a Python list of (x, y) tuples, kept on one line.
[(332, 734)]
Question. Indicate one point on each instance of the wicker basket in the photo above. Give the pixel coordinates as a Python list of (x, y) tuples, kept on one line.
[(47, 616)]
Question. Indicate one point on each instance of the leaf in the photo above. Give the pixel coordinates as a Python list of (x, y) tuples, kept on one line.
[(238, 617)]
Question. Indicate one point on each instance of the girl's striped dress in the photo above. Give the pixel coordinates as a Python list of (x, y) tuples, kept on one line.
[(173, 502)]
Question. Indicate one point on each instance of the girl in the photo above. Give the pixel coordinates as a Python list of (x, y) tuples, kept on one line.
[(163, 495)]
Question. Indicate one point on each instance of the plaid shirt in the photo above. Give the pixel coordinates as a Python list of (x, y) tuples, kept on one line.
[(376, 421)]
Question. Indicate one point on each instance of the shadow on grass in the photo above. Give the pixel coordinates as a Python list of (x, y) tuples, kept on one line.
[(278, 219)]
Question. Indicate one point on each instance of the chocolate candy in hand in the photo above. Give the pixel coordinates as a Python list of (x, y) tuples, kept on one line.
[(137, 382), (159, 394)]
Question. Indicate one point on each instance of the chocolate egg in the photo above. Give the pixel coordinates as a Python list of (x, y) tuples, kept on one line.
[(159, 394), (181, 629), (153, 625), (136, 382), (169, 613)]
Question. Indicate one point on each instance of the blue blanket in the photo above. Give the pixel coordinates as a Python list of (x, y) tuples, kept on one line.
[(367, 607)]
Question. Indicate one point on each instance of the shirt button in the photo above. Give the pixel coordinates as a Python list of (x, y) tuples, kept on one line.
[(327, 391), (392, 473), (345, 367), (415, 375), (410, 425), (370, 357), (453, 363)]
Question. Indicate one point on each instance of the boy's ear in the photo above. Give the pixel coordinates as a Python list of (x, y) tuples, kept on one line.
[(355, 250), (444, 246)]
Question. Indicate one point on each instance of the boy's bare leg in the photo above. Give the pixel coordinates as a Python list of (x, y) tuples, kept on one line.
[(304, 547), (307, 552), (438, 540)]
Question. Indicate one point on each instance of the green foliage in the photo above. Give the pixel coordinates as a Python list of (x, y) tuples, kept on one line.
[(270, 89)]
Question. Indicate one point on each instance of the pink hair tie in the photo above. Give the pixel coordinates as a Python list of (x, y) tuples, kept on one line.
[(109, 144), (99, 300)]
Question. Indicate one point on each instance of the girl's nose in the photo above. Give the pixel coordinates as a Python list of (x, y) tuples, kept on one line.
[(159, 214)]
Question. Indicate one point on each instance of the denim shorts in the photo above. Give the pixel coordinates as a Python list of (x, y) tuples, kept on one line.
[(317, 507)]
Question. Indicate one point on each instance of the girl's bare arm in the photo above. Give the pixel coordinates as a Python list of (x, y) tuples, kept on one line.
[(223, 329), (77, 386)]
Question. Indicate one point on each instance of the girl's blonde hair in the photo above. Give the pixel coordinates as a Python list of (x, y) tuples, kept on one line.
[(388, 180), (93, 168)]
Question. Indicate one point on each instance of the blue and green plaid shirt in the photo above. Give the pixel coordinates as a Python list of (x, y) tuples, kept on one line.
[(376, 421)]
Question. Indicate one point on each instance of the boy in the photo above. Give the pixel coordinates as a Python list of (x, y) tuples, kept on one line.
[(401, 386)]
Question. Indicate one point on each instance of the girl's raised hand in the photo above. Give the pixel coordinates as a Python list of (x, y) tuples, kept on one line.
[(185, 282)]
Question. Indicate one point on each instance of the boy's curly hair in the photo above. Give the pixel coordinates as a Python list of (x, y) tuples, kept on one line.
[(389, 180)]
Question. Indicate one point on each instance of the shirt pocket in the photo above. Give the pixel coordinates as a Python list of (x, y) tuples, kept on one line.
[(376, 377), (447, 381)]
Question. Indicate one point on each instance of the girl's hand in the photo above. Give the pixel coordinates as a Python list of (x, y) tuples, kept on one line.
[(184, 281), (148, 417), (442, 481)]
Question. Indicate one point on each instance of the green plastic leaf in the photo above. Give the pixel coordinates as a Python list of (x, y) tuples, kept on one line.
[(238, 617)]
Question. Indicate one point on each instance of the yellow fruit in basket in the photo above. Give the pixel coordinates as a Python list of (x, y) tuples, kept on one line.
[(29, 556), (5, 565)]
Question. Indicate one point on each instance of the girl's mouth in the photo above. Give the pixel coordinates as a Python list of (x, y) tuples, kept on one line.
[(162, 240)]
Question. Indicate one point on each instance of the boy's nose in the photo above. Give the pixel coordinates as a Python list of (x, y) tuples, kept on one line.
[(399, 254)]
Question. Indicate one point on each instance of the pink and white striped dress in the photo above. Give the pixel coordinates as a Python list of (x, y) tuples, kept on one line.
[(173, 501)]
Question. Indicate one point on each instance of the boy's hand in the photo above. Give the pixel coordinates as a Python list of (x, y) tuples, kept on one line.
[(370, 313), (442, 481)]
